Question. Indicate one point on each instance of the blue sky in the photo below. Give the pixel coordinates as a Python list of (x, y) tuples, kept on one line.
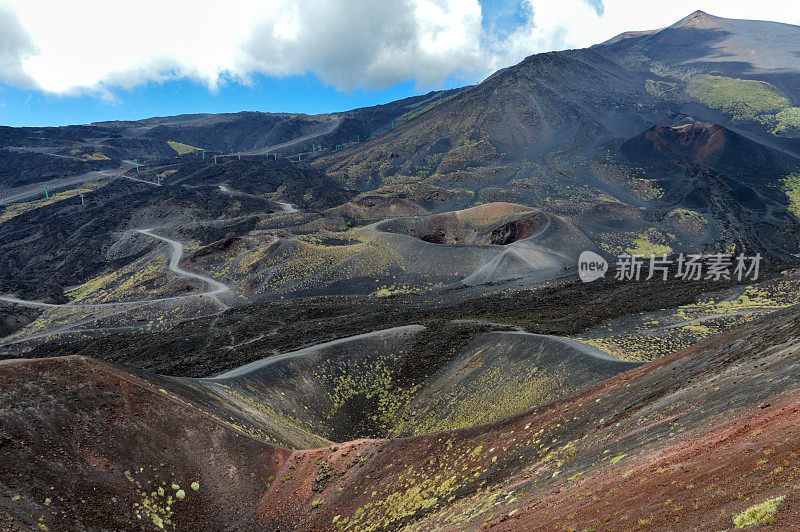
[(80, 61), (301, 94), (305, 93)]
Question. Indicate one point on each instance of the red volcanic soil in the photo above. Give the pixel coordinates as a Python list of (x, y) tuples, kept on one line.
[(83, 443), (495, 209), (752, 457), (687, 442), (496, 223), (693, 142)]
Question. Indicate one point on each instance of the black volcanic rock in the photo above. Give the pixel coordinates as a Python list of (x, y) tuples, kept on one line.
[(18, 168), (518, 229), (548, 101), (65, 243), (306, 187)]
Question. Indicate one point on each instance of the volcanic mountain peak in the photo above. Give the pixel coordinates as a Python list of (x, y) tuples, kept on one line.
[(731, 45), (698, 19)]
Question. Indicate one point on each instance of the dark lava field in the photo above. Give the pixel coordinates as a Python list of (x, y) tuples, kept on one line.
[(375, 320)]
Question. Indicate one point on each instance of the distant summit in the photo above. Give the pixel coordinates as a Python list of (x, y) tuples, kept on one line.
[(741, 46), (698, 19)]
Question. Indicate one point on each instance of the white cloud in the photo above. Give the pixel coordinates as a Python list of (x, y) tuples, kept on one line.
[(562, 24), (15, 45), (73, 46), (361, 43)]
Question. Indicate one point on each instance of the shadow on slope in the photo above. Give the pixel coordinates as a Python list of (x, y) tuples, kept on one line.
[(394, 382)]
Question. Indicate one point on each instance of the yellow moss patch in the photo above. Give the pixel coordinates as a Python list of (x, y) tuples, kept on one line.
[(180, 148), (644, 247), (16, 209), (757, 514)]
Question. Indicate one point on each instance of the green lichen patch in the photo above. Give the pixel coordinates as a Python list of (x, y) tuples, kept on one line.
[(791, 186), (759, 514), (787, 120), (180, 148), (688, 221), (743, 99), (647, 245)]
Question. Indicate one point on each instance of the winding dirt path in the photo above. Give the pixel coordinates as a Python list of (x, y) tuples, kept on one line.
[(215, 288), (259, 364), (288, 207)]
